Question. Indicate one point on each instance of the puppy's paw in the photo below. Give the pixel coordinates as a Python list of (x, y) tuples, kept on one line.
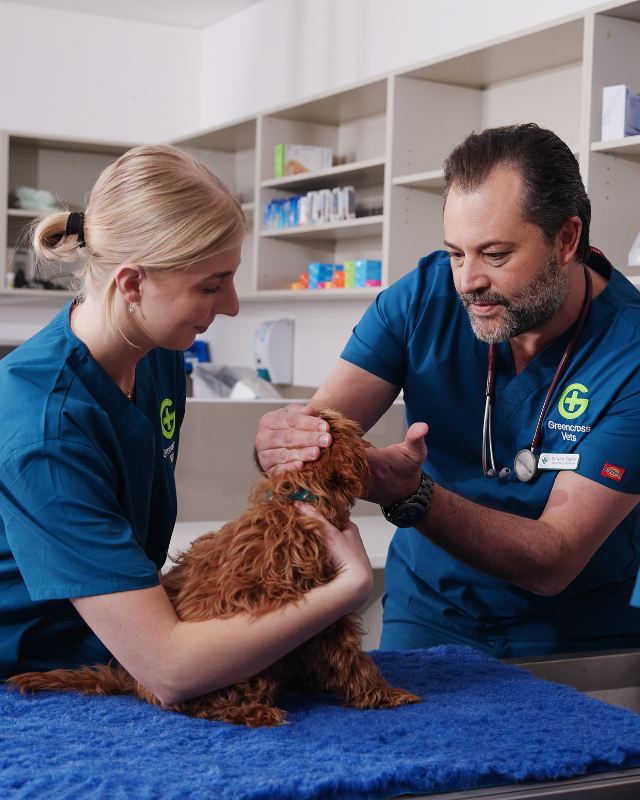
[(393, 698), (256, 716), (382, 697)]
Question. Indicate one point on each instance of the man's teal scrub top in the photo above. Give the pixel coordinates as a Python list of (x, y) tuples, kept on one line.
[(417, 336), (87, 491)]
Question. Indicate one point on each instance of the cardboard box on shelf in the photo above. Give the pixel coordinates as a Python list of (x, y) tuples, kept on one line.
[(294, 159)]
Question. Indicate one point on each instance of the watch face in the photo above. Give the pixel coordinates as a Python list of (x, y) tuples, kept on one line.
[(408, 515)]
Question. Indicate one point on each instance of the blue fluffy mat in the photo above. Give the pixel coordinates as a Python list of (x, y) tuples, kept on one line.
[(480, 723)]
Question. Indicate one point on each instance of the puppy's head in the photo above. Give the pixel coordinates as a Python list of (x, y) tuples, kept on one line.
[(335, 480)]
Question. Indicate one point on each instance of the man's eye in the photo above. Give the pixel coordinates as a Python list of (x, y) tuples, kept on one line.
[(495, 256), (456, 256)]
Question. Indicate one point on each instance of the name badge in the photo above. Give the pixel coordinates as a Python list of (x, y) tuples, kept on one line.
[(559, 461)]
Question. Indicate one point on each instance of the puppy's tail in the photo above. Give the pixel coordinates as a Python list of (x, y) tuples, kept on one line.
[(103, 679)]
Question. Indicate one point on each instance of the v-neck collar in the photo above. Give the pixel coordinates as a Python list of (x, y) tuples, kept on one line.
[(125, 413), (512, 390)]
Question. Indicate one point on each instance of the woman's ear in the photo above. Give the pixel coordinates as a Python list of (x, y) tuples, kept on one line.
[(129, 281)]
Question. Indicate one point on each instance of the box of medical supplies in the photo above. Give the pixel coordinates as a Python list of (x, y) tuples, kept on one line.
[(349, 274), (367, 273), (349, 200), (620, 112), (326, 196), (304, 210), (197, 353), (319, 274), (293, 159)]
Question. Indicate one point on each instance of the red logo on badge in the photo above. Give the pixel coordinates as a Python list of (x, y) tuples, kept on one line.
[(610, 471)]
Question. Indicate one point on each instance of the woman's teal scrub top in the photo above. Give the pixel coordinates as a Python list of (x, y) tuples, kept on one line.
[(417, 335), (87, 491)]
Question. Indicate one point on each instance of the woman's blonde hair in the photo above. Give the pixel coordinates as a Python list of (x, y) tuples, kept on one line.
[(157, 207)]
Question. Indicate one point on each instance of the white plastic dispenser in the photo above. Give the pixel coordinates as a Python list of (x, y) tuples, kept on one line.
[(634, 253), (273, 350)]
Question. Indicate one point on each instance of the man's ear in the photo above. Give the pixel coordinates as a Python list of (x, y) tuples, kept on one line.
[(567, 240), (129, 281)]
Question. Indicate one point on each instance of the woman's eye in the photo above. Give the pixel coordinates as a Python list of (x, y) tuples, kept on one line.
[(215, 290)]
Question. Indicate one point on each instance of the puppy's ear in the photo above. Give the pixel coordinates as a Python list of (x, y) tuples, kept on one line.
[(345, 465)]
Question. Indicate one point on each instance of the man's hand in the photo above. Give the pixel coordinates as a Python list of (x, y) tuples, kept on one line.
[(290, 436), (395, 470)]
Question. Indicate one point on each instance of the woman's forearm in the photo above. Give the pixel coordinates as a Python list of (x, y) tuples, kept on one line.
[(178, 660), (219, 652)]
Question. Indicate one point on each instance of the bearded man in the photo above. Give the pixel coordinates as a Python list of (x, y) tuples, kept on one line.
[(524, 536)]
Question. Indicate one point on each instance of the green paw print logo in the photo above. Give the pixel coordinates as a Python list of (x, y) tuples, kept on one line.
[(167, 419), (571, 405)]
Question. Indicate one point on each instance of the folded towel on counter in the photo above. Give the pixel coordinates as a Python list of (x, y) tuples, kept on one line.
[(481, 723)]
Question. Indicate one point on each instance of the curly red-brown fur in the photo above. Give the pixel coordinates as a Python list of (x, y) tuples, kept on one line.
[(269, 556)]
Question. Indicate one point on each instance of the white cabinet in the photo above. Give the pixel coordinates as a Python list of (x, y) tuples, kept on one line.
[(389, 138)]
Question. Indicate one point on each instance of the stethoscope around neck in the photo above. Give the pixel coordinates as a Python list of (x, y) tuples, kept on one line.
[(525, 464)]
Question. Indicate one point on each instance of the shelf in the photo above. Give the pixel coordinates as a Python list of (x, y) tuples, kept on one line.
[(432, 181), (41, 298), (330, 231), (28, 213), (311, 295), (358, 174), (248, 208), (508, 58), (628, 148)]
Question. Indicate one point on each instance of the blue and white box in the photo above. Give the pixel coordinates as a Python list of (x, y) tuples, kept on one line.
[(319, 273), (620, 112), (366, 270)]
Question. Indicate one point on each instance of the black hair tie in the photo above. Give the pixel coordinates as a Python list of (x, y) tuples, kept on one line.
[(75, 227)]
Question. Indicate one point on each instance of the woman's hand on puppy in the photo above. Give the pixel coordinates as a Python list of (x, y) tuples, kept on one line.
[(348, 556), (290, 436)]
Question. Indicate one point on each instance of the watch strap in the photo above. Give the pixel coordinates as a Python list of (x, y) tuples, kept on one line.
[(410, 510)]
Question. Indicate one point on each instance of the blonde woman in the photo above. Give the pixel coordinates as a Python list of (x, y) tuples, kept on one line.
[(89, 440)]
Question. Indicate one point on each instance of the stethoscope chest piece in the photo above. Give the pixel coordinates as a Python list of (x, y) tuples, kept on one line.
[(526, 465)]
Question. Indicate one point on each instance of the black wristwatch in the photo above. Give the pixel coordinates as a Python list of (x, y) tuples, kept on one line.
[(411, 510)]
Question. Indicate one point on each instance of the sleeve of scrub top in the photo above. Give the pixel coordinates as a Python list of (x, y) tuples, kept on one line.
[(610, 452), (378, 343), (64, 525)]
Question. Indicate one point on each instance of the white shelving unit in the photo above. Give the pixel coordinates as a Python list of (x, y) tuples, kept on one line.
[(390, 137)]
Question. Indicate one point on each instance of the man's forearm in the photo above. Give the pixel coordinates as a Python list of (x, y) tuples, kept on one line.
[(528, 553)]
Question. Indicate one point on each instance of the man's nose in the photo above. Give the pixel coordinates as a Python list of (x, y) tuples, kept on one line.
[(473, 276)]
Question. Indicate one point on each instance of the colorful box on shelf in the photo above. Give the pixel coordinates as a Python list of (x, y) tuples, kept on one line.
[(316, 207), (294, 159), (319, 275), (367, 273)]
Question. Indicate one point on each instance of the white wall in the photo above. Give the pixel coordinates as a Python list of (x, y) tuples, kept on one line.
[(84, 76), (280, 51), (322, 329)]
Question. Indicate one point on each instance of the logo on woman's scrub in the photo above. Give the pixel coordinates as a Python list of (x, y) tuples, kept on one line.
[(167, 419), (570, 405)]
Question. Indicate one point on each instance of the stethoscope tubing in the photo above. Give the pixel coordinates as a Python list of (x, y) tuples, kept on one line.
[(487, 427)]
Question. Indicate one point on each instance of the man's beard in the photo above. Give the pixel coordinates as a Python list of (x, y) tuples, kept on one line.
[(531, 308)]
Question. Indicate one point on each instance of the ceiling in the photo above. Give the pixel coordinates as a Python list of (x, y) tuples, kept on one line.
[(186, 13)]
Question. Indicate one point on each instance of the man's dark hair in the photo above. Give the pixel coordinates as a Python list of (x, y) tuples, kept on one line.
[(552, 187)]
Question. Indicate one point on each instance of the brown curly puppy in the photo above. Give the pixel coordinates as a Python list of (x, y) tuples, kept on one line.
[(268, 557)]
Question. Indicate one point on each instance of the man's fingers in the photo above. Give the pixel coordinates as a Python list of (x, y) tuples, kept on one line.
[(288, 459), (295, 416)]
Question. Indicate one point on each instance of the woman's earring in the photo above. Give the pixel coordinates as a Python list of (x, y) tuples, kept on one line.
[(132, 308)]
